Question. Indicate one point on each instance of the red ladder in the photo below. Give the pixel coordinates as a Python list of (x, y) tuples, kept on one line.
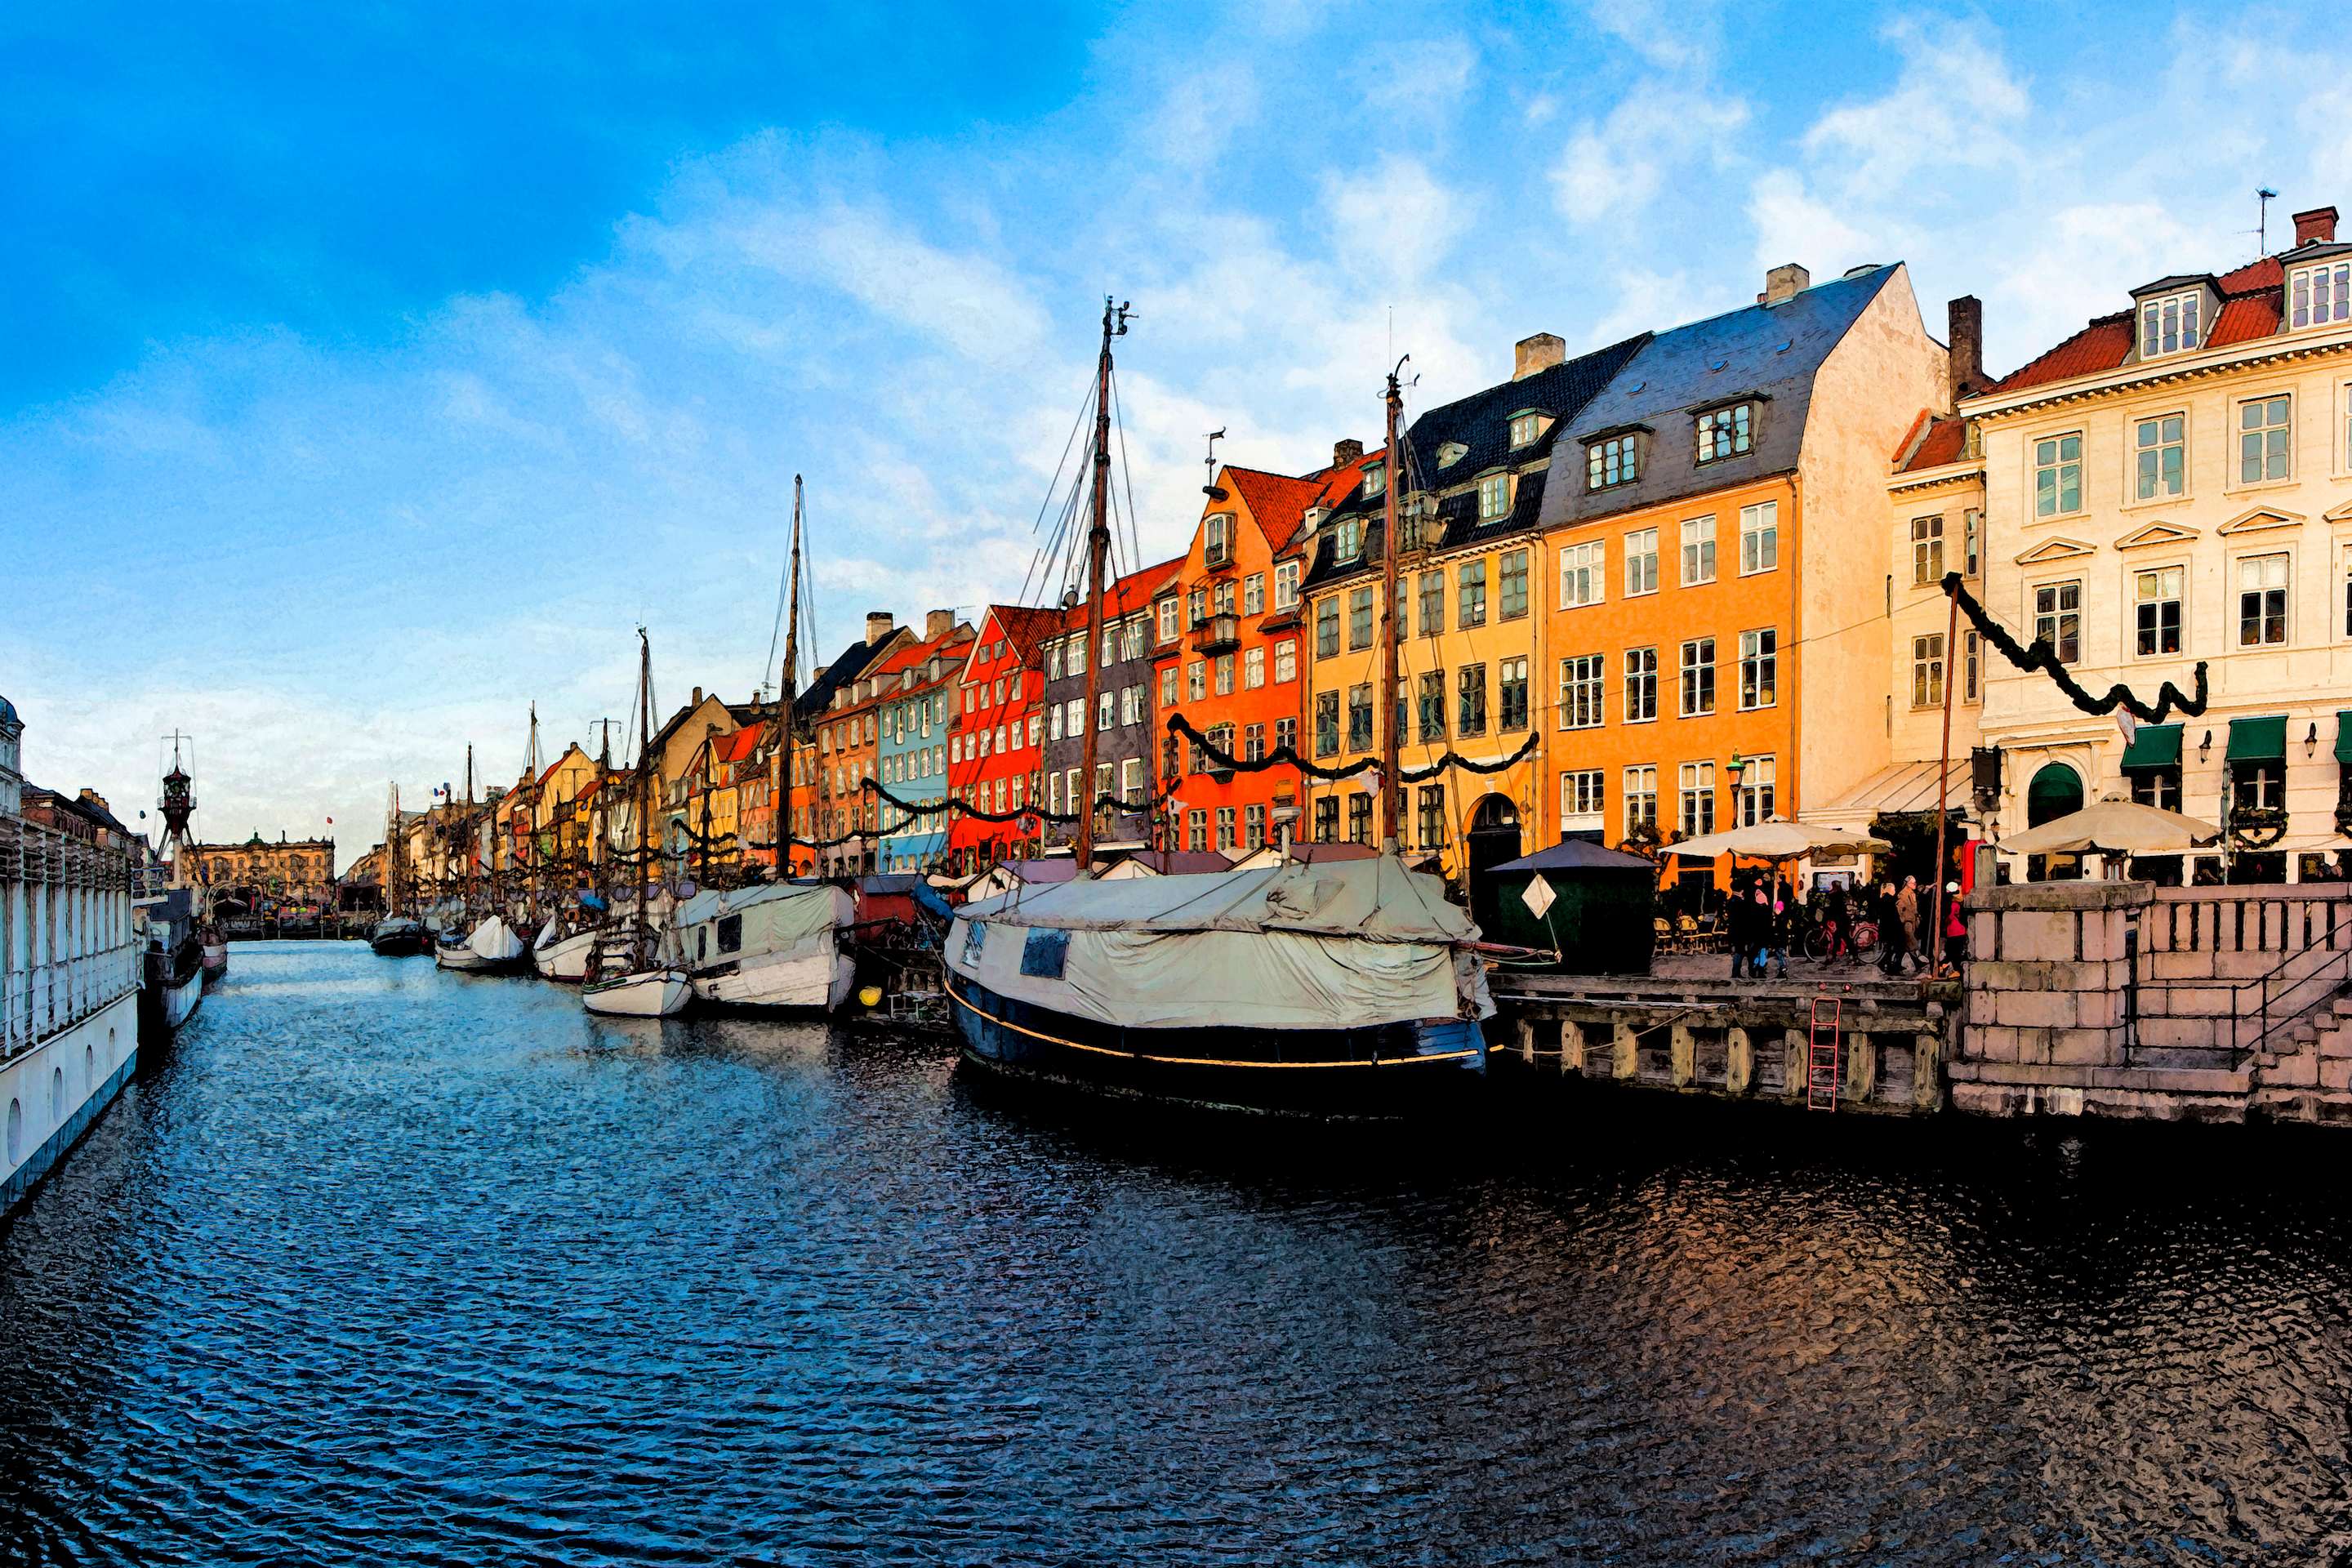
[(1824, 1054)]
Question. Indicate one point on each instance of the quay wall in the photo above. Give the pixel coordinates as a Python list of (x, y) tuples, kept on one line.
[(1747, 1042)]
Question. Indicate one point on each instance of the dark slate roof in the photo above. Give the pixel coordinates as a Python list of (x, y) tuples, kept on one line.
[(1769, 352), (1481, 424), (843, 669), (1575, 854)]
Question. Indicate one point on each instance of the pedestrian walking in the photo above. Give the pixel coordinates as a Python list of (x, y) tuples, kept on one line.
[(1740, 929), (1785, 911), (1956, 930), (1906, 909), (1888, 915)]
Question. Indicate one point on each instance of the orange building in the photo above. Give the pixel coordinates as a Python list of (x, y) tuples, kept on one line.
[(1230, 654)]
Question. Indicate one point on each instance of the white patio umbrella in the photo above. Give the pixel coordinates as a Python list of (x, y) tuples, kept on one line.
[(1777, 838), (2114, 827)]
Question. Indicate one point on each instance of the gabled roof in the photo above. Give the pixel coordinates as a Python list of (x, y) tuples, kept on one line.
[(1277, 501), (1767, 354), (1945, 440), (1023, 626), (1134, 591), (738, 746)]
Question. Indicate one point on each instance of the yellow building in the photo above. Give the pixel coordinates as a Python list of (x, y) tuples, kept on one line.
[(1471, 478)]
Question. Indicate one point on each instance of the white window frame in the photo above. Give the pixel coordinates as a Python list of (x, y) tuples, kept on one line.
[(2133, 448), (2285, 588), (2056, 614), (2239, 430), (1285, 585), (2172, 323), (1694, 677), (1640, 564), (1759, 793), (1584, 691), (1253, 669), (1583, 575), (1169, 607), (1254, 593), (1640, 664), (1755, 656), (2335, 276), (1694, 787), (2056, 466), (1494, 497), (1583, 803), (2179, 572), (1759, 538), (1698, 552), (1927, 550), (1928, 672), (1286, 660), (1638, 781)]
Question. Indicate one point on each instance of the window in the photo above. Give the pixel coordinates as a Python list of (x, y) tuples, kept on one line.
[(2169, 325), (1640, 801), (1376, 479), (1432, 603), (1196, 607), (1697, 798), (1511, 694), (1641, 685), (2265, 434), (1640, 562), (1131, 639), (1075, 724), (1326, 723), (1512, 583), (1759, 538), (1360, 818), (1582, 681), (1166, 689), (2158, 787), (1494, 497), (1760, 669), (2058, 475), (2058, 619), (1524, 429), (1723, 432), (1130, 780), (1254, 743), (1431, 705), (1972, 540), (1470, 712), (1286, 735), (1698, 677), (1196, 829), (2157, 450), (1224, 830), (1582, 580), (1699, 550), (1253, 669), (1254, 593), (1327, 819), (1359, 618), (2156, 611), (1130, 705), (1616, 461), (1581, 805), (1219, 548), (1927, 550), (1253, 825), (1327, 629), (1927, 671), (2321, 294), (1286, 662), (1285, 586), (1359, 716), (1757, 783), (1223, 664), (1971, 663), (1169, 630), (2261, 786), (2261, 600), (1053, 792), (2346, 572), (1430, 807), (1226, 598), (1053, 660), (1470, 594), (1348, 539)]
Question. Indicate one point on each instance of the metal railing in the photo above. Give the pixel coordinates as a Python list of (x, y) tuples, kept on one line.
[(2326, 969), (2274, 1000), (41, 1001)]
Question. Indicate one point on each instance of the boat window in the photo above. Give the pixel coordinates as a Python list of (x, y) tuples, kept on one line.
[(1043, 954), (974, 933), (730, 933)]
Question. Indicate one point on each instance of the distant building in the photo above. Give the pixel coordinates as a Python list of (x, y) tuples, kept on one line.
[(258, 874)]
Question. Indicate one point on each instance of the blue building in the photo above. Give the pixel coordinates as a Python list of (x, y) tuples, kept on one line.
[(916, 694)]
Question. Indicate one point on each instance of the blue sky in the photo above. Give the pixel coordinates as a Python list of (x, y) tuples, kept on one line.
[(369, 372)]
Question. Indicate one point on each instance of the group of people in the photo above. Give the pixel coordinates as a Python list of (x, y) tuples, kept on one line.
[(1765, 917)]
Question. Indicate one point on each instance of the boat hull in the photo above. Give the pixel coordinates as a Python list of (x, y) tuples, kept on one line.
[(1384, 1071), (818, 982), (164, 1005), (653, 994), (216, 962), (565, 961), (465, 961)]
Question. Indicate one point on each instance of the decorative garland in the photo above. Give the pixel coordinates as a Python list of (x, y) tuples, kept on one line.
[(2040, 655), (1179, 725)]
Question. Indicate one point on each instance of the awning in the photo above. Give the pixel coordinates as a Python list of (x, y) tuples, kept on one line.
[(1901, 789), (2153, 746), (2258, 740), (2344, 737)]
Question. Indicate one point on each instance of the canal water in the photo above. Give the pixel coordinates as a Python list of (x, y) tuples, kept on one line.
[(382, 1265)]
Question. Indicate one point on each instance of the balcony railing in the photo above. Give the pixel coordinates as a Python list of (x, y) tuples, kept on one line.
[(40, 1001), (1217, 634), (1217, 553)]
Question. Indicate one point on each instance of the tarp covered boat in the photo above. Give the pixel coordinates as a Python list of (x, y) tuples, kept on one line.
[(492, 948), (774, 945)]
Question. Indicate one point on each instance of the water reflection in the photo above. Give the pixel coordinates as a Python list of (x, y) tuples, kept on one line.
[(382, 1263)]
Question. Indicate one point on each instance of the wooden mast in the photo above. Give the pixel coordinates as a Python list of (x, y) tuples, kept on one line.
[(530, 838), (1391, 787), (645, 788), (787, 693), (1097, 548)]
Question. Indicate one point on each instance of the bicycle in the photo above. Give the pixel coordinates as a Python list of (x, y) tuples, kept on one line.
[(1821, 939)]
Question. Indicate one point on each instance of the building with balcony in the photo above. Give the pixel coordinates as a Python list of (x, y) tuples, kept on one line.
[(1126, 732)]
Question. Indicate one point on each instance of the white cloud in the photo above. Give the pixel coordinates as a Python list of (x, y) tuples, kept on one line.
[(1792, 225), (1612, 169), (1946, 110), (1675, 36)]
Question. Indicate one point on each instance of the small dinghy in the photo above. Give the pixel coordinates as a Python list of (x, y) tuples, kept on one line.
[(492, 949), (643, 994)]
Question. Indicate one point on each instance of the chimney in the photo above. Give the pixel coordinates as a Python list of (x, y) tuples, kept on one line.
[(2316, 227), (1346, 452), (938, 624), (1782, 282), (878, 625), (1964, 318), (1538, 352), (698, 698)]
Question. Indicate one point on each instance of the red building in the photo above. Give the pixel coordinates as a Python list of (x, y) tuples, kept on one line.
[(1231, 656), (997, 744)]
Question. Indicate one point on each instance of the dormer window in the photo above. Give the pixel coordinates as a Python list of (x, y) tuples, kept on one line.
[(1347, 540), (2172, 324), (1376, 479), (2320, 296), (1494, 497), (1524, 429), (1614, 461), (1449, 452), (1219, 549), (1725, 432)]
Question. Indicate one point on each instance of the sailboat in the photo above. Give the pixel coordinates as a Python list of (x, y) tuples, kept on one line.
[(491, 946), (774, 946), (641, 984), (1330, 989)]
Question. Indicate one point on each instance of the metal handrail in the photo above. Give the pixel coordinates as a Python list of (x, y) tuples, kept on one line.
[(2265, 979)]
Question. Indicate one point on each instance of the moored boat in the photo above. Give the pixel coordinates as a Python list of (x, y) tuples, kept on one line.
[(491, 948), (398, 936), (172, 973), (658, 993), (215, 945), (774, 946)]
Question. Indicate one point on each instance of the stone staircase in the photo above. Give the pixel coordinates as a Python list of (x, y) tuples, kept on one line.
[(2303, 1070)]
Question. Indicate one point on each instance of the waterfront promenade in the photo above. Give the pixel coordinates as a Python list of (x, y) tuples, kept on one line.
[(378, 1264)]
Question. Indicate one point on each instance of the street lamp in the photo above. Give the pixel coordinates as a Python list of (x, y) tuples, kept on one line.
[(1735, 770)]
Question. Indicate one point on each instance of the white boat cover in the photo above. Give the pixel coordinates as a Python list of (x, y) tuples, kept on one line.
[(495, 940), (778, 917), (549, 934), (1345, 945)]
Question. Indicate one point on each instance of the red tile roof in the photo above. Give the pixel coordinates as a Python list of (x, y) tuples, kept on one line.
[(1023, 624), (2102, 345), (2251, 298), (738, 746), (1944, 442), (2246, 318), (1277, 501)]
